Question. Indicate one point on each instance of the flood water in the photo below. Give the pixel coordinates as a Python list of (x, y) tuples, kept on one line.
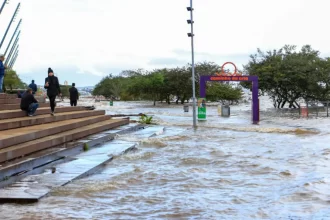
[(225, 169)]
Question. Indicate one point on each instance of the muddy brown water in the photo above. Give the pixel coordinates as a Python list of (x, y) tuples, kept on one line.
[(225, 169)]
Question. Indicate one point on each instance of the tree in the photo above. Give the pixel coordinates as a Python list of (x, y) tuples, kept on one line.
[(12, 80), (217, 91), (286, 75)]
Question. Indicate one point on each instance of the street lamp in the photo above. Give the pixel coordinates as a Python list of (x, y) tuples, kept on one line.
[(191, 35)]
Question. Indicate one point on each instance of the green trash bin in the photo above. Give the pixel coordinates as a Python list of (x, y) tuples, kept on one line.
[(111, 103)]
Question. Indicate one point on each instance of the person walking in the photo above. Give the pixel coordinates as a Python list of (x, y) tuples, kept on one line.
[(29, 103), (34, 87), (53, 89), (74, 95), (2, 71)]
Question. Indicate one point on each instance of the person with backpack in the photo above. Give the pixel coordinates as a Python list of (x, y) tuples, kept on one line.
[(74, 95), (53, 89)]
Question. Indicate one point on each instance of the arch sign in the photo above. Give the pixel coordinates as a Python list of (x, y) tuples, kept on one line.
[(222, 76)]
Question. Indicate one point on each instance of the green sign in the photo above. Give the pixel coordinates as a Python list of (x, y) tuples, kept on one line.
[(201, 109)]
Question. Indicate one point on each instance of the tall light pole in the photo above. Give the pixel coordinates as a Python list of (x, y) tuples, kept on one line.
[(191, 35)]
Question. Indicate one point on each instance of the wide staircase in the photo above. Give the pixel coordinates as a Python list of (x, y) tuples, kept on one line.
[(21, 135)]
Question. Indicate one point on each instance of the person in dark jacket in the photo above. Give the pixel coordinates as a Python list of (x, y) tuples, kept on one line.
[(2, 71), (74, 96), (29, 103), (53, 89), (34, 87)]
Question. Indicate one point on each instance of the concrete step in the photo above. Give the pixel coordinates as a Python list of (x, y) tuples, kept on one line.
[(8, 96), (32, 188), (10, 101), (12, 123), (35, 163), (18, 106), (21, 135), (41, 111), (58, 139)]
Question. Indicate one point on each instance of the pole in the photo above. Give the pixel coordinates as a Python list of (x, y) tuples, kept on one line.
[(11, 21), (11, 39), (11, 53), (12, 65), (12, 47), (12, 60), (12, 50), (193, 63), (3, 5)]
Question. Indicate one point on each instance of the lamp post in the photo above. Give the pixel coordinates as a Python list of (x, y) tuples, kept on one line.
[(191, 35)]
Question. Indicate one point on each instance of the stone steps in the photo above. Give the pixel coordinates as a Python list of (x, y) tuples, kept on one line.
[(13, 123), (8, 96), (14, 170), (21, 135), (18, 106), (26, 148), (10, 101), (31, 188), (40, 111), (29, 144)]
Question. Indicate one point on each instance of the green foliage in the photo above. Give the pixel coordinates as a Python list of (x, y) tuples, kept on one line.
[(157, 85), (12, 81), (144, 119), (288, 75), (65, 90), (222, 92)]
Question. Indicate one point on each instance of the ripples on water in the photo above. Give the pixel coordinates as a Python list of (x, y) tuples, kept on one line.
[(226, 169)]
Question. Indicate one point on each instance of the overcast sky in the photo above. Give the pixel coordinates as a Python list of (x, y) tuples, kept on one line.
[(84, 40)]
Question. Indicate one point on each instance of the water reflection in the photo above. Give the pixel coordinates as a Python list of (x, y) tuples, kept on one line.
[(226, 169)]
